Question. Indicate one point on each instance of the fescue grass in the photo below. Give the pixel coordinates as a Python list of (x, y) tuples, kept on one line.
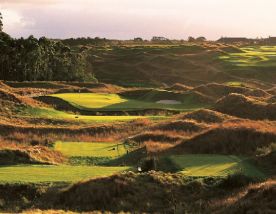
[(50, 173), (214, 165)]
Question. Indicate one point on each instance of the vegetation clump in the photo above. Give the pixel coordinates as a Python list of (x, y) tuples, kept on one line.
[(244, 107)]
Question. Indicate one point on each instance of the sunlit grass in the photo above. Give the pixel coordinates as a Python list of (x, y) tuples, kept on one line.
[(50, 173), (55, 114), (93, 149), (214, 165), (91, 100), (262, 56), (114, 102)]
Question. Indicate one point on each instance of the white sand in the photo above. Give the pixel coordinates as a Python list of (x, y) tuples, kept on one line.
[(168, 102)]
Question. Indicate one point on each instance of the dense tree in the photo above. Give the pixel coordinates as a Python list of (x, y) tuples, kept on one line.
[(191, 39), (41, 59), (34, 59), (138, 39), (201, 39)]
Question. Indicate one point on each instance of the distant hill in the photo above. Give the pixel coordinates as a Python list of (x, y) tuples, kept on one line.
[(187, 64)]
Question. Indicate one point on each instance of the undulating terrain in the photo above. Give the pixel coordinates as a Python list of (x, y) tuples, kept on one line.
[(160, 128)]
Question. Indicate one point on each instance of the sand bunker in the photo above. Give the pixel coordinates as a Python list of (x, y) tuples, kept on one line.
[(168, 102)]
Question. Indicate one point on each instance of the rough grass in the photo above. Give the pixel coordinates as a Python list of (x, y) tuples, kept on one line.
[(259, 197), (29, 154), (241, 137), (49, 173), (205, 116), (245, 107), (214, 165)]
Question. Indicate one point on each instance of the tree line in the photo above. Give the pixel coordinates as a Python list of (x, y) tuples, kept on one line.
[(42, 59)]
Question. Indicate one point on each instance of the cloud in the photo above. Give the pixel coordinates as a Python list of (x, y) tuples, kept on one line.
[(22, 2), (129, 18)]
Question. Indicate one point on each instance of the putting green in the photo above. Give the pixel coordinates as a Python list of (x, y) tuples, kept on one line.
[(91, 100), (214, 165), (114, 102)]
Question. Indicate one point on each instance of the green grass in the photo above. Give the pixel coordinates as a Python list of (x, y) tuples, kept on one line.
[(235, 84), (55, 114), (214, 165), (48, 173), (91, 100), (114, 102), (83, 149), (93, 153), (256, 56)]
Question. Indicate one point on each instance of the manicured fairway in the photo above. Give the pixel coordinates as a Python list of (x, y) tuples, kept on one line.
[(48, 173), (214, 165), (52, 113), (261, 56), (82, 149)]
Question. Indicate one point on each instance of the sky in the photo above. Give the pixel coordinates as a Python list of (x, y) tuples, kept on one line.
[(126, 19)]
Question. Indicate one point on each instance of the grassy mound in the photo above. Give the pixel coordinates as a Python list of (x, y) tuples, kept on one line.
[(11, 157), (135, 93), (216, 90), (30, 155), (57, 103), (232, 138), (267, 162), (242, 106), (249, 199), (124, 193), (272, 90), (185, 97), (272, 99), (4, 86), (179, 87), (156, 137), (101, 132), (36, 84), (180, 125), (8, 96), (206, 116)]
